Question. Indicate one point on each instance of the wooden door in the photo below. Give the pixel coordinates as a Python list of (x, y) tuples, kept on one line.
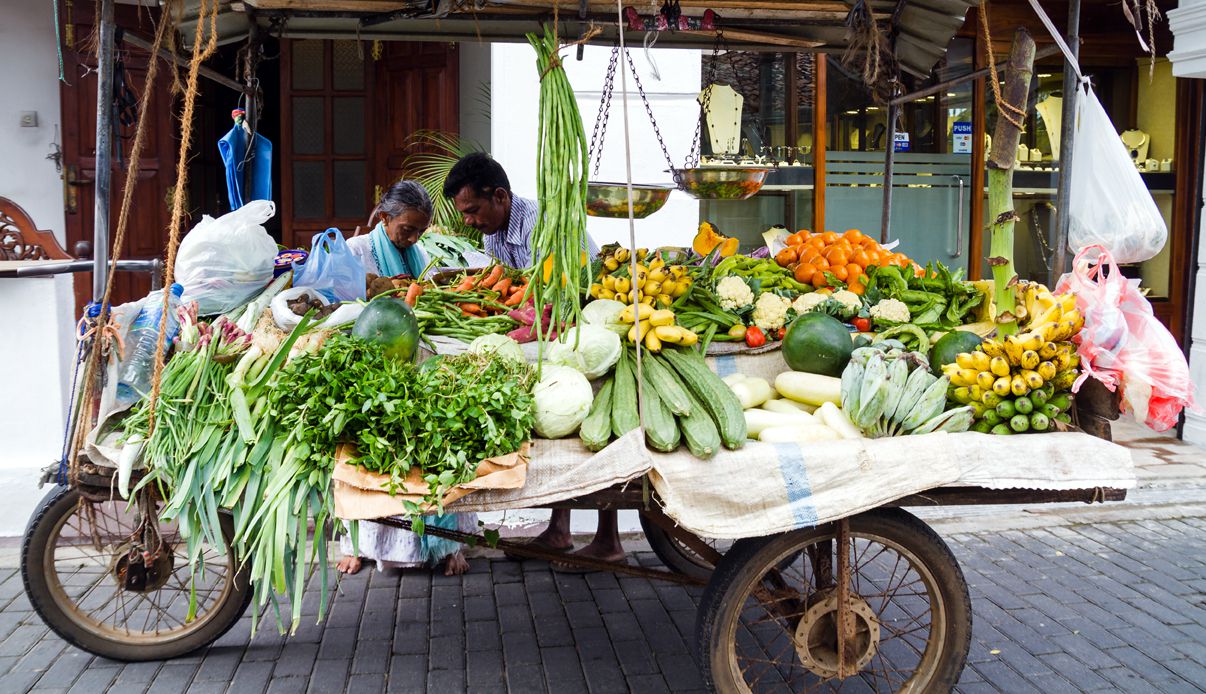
[(417, 88), (149, 213)]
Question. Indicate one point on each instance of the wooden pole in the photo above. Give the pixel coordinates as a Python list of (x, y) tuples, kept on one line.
[(975, 246), (819, 138), (889, 163), (1001, 160), (104, 149), (1059, 244)]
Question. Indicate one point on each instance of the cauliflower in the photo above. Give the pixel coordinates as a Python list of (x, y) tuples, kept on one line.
[(734, 293), (891, 311), (770, 313), (807, 302), (849, 300)]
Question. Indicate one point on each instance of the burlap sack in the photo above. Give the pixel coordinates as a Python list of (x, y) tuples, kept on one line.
[(361, 494)]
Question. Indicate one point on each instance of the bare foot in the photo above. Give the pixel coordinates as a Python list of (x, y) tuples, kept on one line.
[(348, 565), (554, 539), (604, 551), (455, 564)]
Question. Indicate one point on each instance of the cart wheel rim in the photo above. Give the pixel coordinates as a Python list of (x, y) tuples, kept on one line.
[(84, 564), (889, 625)]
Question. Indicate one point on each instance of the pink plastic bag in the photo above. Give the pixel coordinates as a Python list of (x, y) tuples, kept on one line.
[(1124, 344)]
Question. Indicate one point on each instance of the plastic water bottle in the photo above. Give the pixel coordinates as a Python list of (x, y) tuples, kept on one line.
[(134, 378)]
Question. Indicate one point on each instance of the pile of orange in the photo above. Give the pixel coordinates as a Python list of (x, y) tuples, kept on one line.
[(845, 256)]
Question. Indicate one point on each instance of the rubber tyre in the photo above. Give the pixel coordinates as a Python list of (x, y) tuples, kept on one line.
[(724, 596), (676, 557), (62, 501)]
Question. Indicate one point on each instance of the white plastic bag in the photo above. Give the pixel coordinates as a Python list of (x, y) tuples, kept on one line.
[(1108, 203), (223, 262), (287, 320)]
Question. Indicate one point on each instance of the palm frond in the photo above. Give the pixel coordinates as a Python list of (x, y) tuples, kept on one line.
[(433, 153)]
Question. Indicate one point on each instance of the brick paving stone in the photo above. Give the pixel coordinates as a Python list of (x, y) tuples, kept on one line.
[(371, 657), (407, 673), (525, 678), (1004, 678), (251, 678), (93, 680), (573, 588), (480, 608), (553, 630), (680, 671), (1075, 671), (23, 681), (65, 668), (288, 685), (648, 684), (328, 676), (447, 653), (562, 671), (517, 651), (338, 643), (22, 639), (583, 615), (219, 664), (366, 684), (611, 600), (603, 676), (1189, 670), (484, 671), (172, 677), (635, 658)]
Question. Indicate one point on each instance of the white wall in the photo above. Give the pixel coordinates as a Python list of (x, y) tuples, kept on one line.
[(36, 314), (1188, 23), (516, 98)]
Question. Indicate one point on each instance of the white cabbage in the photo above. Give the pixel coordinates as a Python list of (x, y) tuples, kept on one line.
[(562, 400), (596, 350), (605, 313)]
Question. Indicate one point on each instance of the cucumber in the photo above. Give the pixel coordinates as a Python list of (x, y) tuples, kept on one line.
[(703, 439), (595, 431), (716, 397), (661, 431), (624, 413), (660, 377)]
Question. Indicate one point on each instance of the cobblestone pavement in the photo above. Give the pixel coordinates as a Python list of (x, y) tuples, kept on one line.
[(1096, 607)]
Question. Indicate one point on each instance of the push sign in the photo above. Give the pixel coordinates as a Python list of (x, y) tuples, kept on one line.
[(961, 135), (901, 143)]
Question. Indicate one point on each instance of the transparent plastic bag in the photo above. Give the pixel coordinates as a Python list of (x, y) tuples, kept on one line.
[(1108, 203), (1124, 345), (332, 269), (224, 262)]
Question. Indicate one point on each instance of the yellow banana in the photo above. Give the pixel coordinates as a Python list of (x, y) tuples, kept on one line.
[(652, 343), (1031, 342), (985, 380), (688, 338), (661, 317), (596, 290), (1018, 386), (1002, 385), (993, 348), (965, 360), (1013, 349), (1032, 378), (981, 361), (1064, 380), (1047, 351), (999, 366), (976, 393), (1047, 370), (961, 395), (1030, 360), (607, 294), (669, 333), (622, 255), (611, 264)]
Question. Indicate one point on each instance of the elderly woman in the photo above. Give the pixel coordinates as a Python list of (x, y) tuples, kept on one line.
[(391, 249)]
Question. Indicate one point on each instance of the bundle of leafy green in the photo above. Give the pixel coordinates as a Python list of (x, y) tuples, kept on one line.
[(442, 417), (939, 299)]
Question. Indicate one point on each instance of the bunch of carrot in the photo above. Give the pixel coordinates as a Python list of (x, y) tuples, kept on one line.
[(502, 286)]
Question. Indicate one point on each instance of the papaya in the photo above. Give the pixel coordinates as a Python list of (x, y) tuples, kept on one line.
[(708, 238)]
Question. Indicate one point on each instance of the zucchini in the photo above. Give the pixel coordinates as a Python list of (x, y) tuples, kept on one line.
[(703, 439), (624, 413), (716, 396), (596, 428), (660, 377), (661, 431)]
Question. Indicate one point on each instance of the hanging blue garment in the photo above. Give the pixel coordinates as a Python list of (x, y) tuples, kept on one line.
[(247, 178), (434, 548)]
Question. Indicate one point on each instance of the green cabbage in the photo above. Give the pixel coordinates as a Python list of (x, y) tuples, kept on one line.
[(591, 349), (562, 399), (605, 313), (499, 346)]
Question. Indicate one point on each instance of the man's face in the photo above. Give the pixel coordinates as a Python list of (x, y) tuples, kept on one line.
[(486, 213)]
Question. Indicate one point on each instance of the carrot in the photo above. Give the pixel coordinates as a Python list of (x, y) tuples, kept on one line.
[(516, 296), (466, 285), (413, 292), (493, 277), (471, 308), (503, 287)]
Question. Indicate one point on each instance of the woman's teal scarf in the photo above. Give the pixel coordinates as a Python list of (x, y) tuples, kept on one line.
[(392, 261)]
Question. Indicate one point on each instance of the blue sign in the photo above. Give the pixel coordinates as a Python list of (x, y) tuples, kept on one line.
[(902, 142), (961, 136)]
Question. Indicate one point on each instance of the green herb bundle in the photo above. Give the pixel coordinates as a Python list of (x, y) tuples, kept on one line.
[(559, 239)]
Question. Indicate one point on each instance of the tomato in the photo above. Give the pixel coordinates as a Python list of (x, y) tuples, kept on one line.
[(804, 272), (754, 336), (786, 257), (797, 238), (863, 325)]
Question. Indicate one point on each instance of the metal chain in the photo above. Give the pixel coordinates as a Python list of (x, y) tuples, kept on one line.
[(600, 132), (693, 154), (648, 109)]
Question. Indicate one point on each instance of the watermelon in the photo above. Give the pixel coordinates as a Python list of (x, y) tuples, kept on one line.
[(391, 322), (949, 345), (817, 343)]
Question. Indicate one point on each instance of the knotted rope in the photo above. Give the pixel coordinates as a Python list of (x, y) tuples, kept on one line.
[(1014, 115)]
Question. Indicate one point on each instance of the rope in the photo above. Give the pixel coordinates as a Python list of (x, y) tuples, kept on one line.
[(1012, 114), (200, 54), (58, 43)]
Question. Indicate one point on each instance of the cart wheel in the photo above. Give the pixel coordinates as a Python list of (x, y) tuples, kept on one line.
[(763, 626), (74, 563), (677, 556)]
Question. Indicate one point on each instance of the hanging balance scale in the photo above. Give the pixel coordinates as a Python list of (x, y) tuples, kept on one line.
[(611, 199), (721, 109)]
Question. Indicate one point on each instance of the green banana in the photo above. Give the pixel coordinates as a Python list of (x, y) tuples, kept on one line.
[(953, 421), (873, 393), (852, 381), (930, 405), (919, 381), (898, 376)]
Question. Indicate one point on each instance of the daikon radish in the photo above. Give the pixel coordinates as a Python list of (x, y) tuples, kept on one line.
[(806, 433), (811, 389), (836, 419)]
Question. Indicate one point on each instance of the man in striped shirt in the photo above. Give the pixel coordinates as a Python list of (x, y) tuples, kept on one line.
[(479, 188)]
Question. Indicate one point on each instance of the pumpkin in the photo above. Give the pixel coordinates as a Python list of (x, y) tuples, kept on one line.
[(709, 238)]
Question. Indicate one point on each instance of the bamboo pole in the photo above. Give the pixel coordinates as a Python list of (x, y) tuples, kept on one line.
[(1006, 136)]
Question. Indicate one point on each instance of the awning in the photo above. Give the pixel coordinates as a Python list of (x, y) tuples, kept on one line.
[(925, 27)]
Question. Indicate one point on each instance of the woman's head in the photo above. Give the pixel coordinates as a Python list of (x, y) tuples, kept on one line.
[(405, 212)]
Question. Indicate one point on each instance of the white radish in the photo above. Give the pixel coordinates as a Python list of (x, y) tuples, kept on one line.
[(756, 420), (130, 453), (836, 419), (788, 405), (811, 389), (807, 433)]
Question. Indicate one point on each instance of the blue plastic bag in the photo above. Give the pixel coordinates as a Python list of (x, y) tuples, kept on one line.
[(331, 269)]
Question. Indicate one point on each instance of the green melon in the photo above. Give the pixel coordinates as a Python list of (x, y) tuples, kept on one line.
[(817, 343), (949, 345), (390, 322)]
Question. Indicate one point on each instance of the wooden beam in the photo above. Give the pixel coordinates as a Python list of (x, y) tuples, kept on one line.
[(212, 75), (761, 37), (975, 246), (819, 138)]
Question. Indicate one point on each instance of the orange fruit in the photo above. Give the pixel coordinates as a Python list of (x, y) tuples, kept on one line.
[(808, 254), (818, 279), (787, 256), (853, 270), (830, 236), (861, 258), (836, 256), (816, 242), (821, 263), (840, 272), (795, 239), (853, 235), (858, 285), (804, 272)]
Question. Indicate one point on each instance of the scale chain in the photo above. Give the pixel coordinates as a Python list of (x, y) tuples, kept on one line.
[(600, 131), (693, 154), (648, 110)]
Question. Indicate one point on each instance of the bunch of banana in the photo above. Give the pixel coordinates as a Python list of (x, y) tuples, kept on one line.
[(889, 392), (657, 284), (655, 327), (1053, 317), (1019, 383)]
